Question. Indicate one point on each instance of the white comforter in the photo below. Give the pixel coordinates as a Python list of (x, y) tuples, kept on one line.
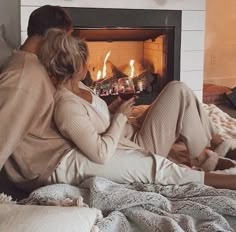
[(222, 121)]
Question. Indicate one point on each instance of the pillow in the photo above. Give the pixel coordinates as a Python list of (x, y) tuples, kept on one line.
[(5, 50), (31, 218)]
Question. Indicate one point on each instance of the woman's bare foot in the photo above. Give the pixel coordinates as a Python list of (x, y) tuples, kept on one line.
[(207, 160), (198, 161), (210, 161), (216, 141), (227, 149)]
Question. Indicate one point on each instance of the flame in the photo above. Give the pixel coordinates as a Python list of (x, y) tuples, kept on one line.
[(99, 73), (131, 63), (104, 70)]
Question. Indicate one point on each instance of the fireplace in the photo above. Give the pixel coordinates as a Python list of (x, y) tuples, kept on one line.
[(149, 39)]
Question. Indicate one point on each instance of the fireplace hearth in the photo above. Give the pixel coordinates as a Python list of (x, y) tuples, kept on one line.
[(149, 39)]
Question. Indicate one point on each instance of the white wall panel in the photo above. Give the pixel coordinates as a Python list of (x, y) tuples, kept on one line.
[(25, 13), (135, 4), (192, 60), (23, 36), (193, 79), (192, 40), (198, 94), (193, 20)]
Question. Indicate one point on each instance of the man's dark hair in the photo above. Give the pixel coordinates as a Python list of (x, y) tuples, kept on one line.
[(46, 17)]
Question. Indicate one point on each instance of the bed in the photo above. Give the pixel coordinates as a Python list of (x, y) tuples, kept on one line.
[(99, 204)]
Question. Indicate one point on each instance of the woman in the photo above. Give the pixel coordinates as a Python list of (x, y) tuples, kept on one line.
[(115, 149)]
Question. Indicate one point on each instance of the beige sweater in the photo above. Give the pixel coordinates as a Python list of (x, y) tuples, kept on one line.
[(30, 144), (93, 134)]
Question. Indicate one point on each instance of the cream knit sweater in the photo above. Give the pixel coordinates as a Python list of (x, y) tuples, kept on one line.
[(94, 135)]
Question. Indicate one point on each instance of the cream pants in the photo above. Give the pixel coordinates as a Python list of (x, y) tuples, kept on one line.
[(176, 113)]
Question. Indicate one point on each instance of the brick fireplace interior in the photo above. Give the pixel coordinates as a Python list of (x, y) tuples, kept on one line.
[(150, 39)]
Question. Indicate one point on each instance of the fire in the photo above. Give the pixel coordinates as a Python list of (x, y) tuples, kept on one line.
[(131, 63), (99, 73), (104, 70)]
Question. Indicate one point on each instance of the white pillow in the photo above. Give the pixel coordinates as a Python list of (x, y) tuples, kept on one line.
[(5, 50), (32, 218)]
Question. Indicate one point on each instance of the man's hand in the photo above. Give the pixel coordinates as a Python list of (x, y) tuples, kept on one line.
[(115, 104)]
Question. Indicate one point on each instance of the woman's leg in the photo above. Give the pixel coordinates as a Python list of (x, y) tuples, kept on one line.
[(133, 166), (125, 166), (176, 113)]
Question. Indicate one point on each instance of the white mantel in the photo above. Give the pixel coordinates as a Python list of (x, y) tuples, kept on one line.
[(193, 28)]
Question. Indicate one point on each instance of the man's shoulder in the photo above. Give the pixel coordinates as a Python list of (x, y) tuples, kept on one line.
[(24, 71), (23, 60)]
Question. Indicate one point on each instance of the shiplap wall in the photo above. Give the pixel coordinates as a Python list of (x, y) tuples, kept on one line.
[(193, 28)]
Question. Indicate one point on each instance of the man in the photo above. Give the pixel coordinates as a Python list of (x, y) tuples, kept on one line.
[(30, 145)]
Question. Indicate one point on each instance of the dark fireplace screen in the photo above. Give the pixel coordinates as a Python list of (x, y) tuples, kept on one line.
[(122, 45)]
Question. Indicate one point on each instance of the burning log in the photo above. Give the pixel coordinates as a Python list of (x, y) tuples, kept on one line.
[(113, 71), (138, 69), (144, 82), (109, 83)]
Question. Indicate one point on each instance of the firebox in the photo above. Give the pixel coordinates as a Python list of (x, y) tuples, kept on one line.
[(142, 45)]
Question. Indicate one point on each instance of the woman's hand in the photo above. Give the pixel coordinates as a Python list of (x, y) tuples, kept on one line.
[(126, 107), (140, 119), (115, 104)]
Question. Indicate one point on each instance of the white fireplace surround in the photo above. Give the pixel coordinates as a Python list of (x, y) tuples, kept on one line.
[(192, 35)]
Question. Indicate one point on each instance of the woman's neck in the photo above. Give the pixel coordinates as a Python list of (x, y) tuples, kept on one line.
[(72, 86)]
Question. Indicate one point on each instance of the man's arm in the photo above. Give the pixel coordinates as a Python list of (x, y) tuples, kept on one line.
[(17, 113)]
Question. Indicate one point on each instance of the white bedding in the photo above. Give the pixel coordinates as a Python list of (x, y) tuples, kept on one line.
[(225, 124), (141, 207)]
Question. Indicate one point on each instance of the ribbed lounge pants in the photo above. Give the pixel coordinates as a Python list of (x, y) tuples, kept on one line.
[(176, 113)]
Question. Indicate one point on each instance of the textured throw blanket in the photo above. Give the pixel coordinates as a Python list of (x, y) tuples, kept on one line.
[(150, 207), (225, 124)]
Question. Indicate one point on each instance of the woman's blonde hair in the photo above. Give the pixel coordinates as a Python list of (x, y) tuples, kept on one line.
[(62, 55)]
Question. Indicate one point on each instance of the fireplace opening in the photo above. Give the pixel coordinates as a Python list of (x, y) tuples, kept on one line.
[(143, 45)]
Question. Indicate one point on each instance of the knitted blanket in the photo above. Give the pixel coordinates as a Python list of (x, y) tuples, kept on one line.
[(225, 124), (150, 207)]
